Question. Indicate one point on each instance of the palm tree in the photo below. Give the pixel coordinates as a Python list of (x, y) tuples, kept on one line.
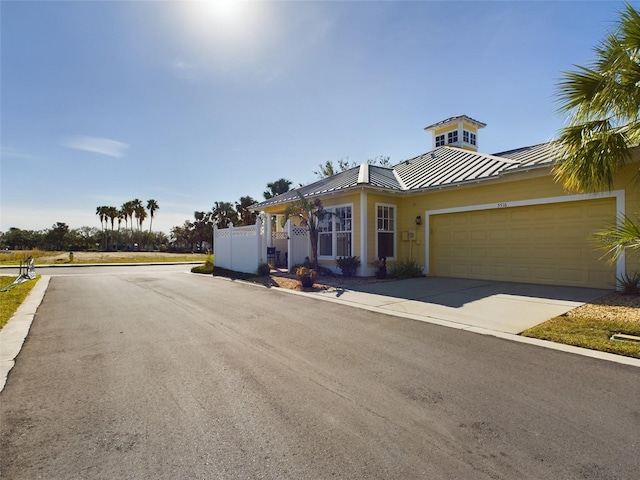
[(141, 214), (223, 214), (127, 210), (311, 214), (276, 188), (102, 214), (603, 101), (247, 217), (136, 205), (111, 213), (152, 206)]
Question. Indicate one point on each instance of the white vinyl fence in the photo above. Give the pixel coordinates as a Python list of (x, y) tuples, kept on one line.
[(243, 249)]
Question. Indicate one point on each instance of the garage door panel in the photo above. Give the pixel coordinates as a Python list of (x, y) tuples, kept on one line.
[(549, 244)]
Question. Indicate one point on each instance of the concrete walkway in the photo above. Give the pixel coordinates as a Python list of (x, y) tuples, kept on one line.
[(500, 306), (13, 334)]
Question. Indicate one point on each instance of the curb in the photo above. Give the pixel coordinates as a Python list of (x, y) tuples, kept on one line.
[(14, 333)]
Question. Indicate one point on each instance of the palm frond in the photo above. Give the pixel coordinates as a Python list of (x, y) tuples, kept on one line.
[(620, 235)]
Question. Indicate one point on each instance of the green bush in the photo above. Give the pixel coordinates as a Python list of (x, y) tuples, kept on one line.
[(348, 265), (207, 267), (630, 283), (406, 269)]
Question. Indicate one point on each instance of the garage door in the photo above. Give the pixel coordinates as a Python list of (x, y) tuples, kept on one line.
[(550, 244)]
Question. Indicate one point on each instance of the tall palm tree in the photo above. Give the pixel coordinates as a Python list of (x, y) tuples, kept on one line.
[(223, 214), (141, 214), (603, 101), (247, 217), (276, 188), (111, 214), (102, 214), (128, 209), (136, 206), (152, 206)]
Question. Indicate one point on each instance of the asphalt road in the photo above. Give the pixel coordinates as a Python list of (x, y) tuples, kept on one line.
[(156, 373)]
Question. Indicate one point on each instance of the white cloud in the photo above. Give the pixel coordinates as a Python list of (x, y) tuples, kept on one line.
[(103, 146)]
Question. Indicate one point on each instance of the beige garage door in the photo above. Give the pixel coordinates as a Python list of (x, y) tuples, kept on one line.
[(550, 244)]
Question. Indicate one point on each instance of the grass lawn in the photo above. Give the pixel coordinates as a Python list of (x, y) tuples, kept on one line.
[(52, 258), (13, 298), (589, 333)]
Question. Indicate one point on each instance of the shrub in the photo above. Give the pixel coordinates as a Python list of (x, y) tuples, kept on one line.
[(381, 267), (306, 276), (348, 265), (406, 269), (630, 283), (207, 267), (264, 269)]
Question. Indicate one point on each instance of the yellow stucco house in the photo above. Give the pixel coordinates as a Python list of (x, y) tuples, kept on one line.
[(461, 213)]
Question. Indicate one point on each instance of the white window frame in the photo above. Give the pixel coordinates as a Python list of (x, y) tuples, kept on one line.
[(333, 219), (394, 231), (451, 135), (440, 140)]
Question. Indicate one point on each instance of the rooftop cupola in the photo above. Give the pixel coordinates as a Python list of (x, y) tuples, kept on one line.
[(460, 131)]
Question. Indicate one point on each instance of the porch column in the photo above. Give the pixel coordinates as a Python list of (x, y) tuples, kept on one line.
[(268, 230), (363, 233)]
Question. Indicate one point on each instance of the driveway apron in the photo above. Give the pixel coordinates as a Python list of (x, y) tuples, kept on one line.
[(499, 306)]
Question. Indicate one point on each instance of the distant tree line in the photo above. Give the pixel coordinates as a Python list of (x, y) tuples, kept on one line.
[(192, 235), (197, 235)]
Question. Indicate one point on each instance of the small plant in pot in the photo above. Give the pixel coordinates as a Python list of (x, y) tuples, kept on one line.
[(348, 265), (306, 276)]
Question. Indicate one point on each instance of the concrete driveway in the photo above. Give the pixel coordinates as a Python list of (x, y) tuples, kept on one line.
[(498, 306)]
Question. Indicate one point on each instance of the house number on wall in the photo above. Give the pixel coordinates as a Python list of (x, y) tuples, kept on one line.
[(502, 205)]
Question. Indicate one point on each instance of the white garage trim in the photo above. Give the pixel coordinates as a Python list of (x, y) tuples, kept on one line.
[(617, 194)]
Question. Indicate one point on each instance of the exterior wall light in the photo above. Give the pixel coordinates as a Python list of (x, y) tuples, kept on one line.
[(418, 220)]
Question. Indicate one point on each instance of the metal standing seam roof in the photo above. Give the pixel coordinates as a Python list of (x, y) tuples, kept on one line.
[(443, 166), (543, 154)]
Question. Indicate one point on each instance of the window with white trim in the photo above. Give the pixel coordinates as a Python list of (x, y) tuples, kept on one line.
[(452, 137), (465, 136), (472, 140), (325, 237), (343, 231), (440, 140), (386, 238), (335, 233)]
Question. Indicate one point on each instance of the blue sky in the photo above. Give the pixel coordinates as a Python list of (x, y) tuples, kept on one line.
[(190, 103)]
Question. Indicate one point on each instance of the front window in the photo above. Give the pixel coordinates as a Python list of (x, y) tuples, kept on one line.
[(452, 137), (439, 140), (386, 231), (325, 237), (343, 231), (335, 233)]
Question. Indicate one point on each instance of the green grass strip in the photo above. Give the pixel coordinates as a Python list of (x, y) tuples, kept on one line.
[(588, 333), (13, 298)]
